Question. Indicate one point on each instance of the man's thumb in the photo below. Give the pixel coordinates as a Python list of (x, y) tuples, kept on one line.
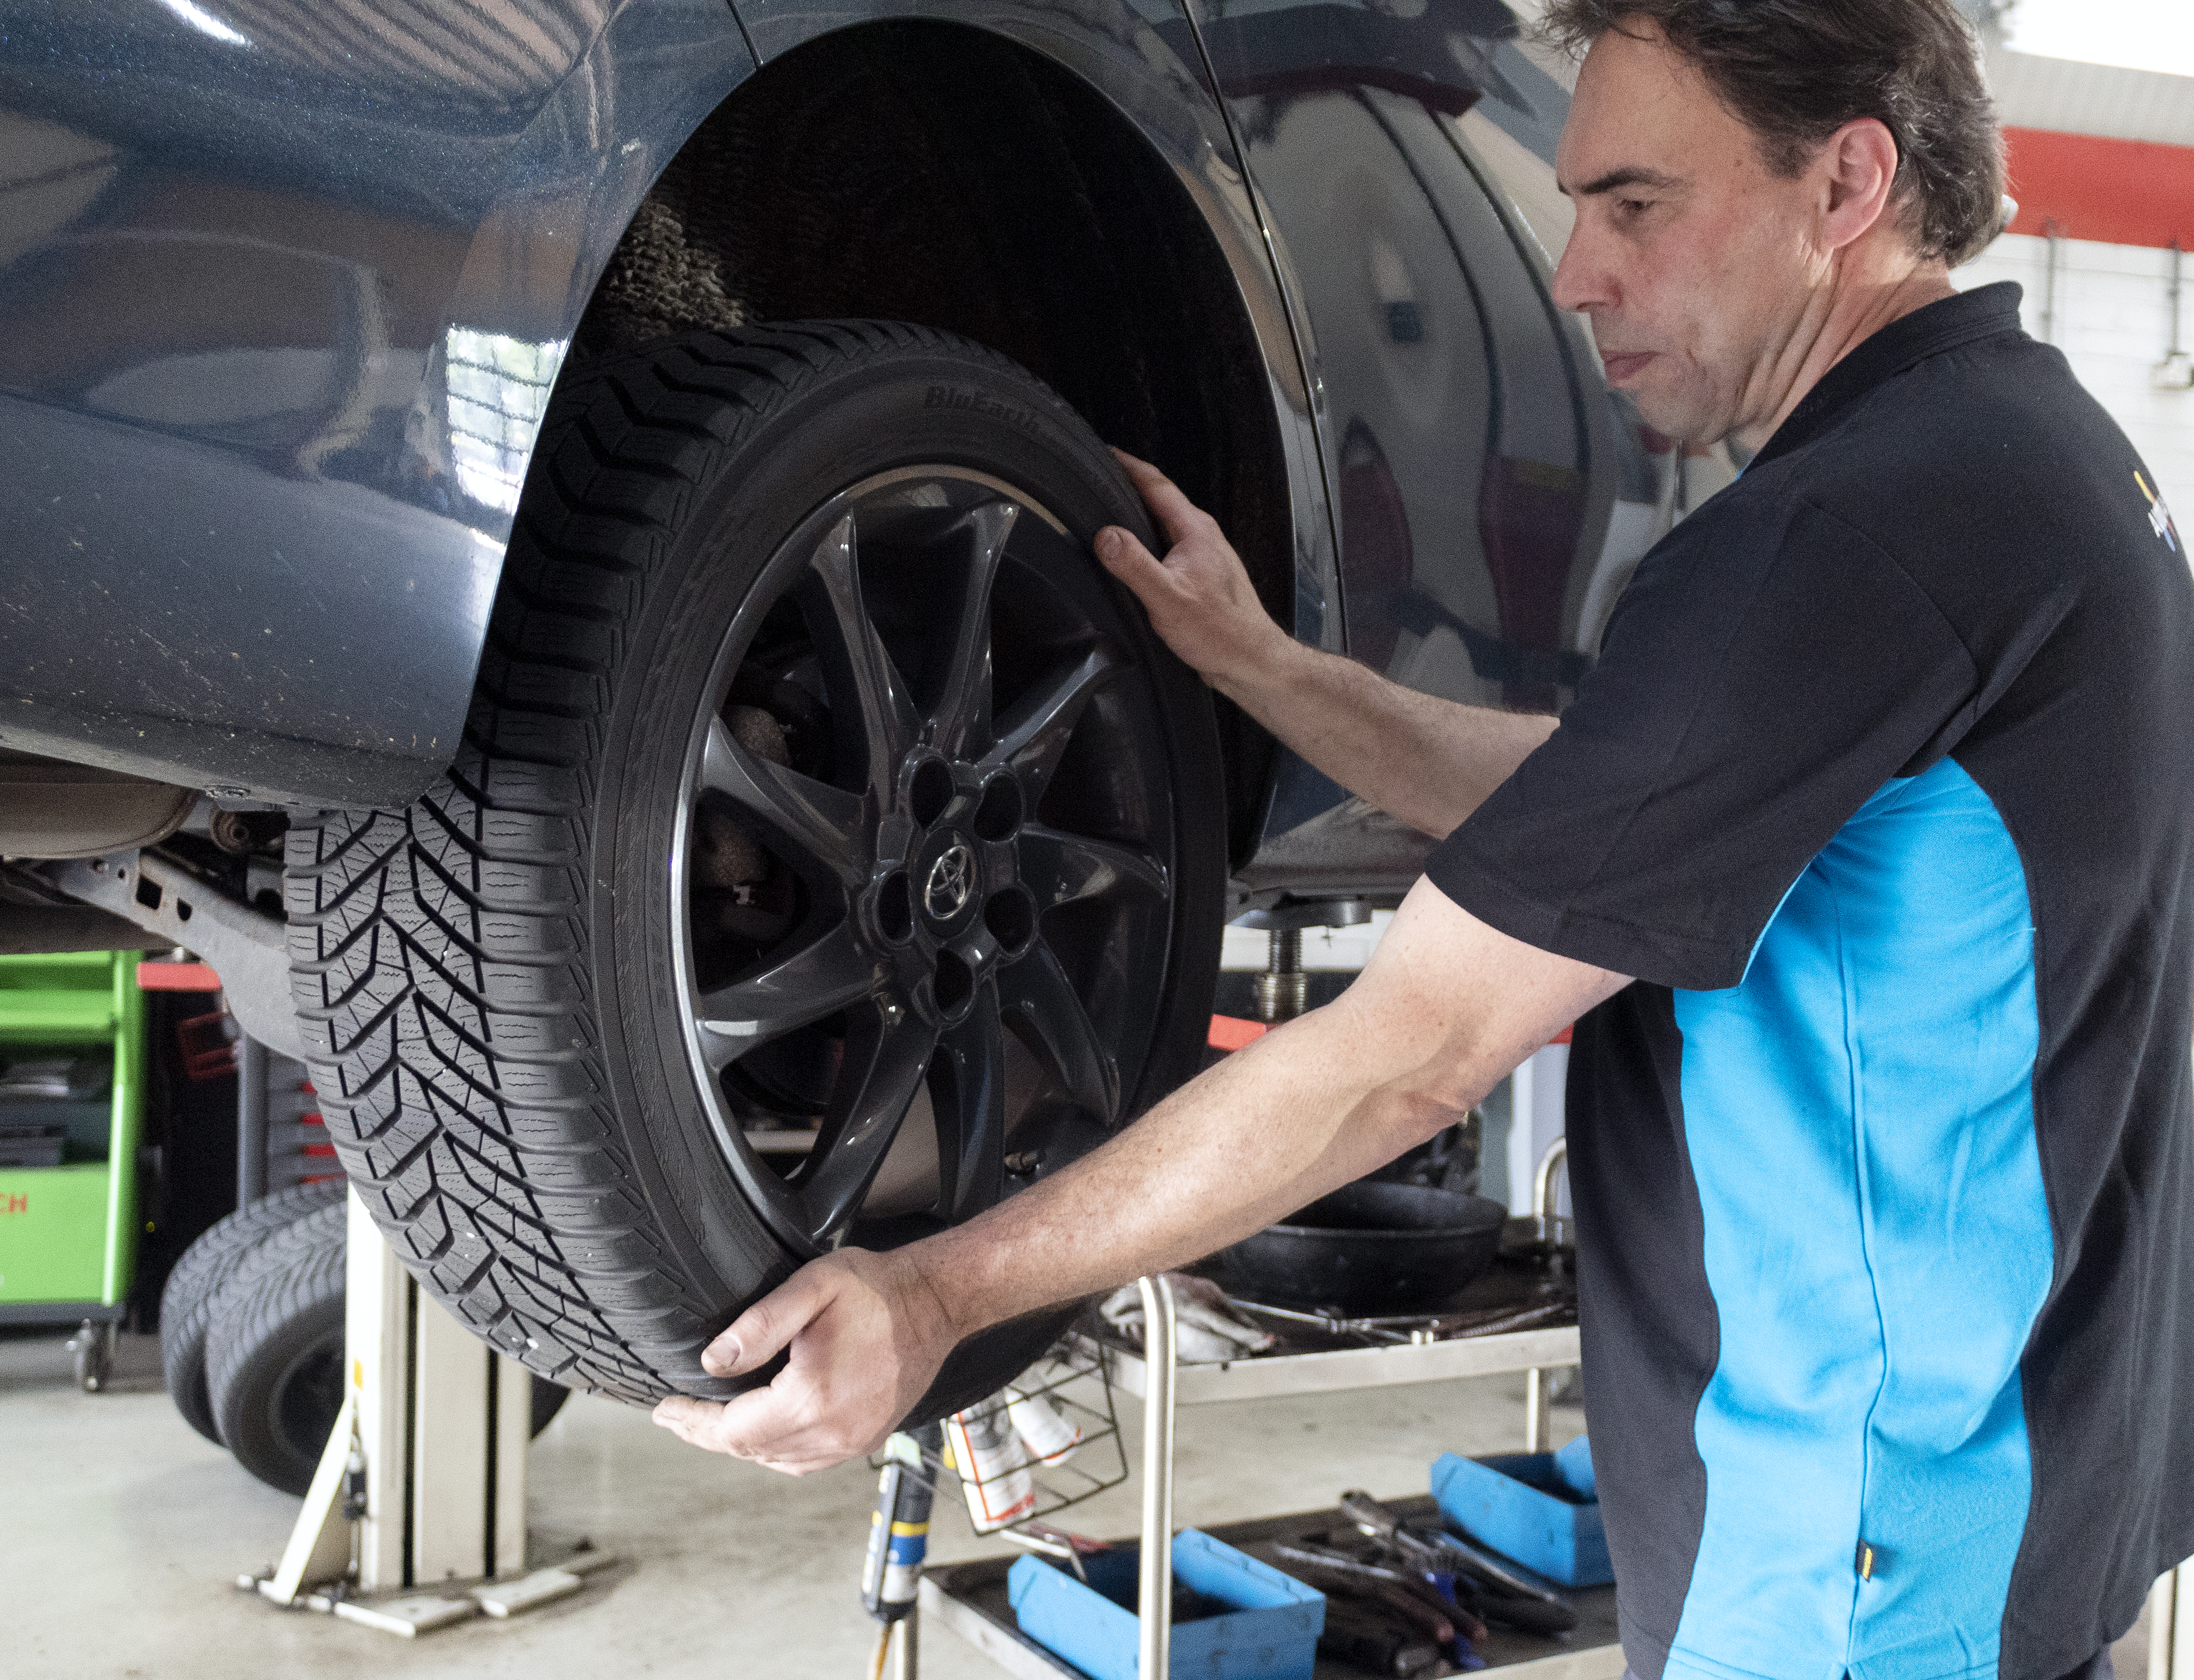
[(1123, 555), (765, 1329)]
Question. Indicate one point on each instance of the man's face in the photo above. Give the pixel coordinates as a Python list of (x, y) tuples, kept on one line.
[(1690, 256)]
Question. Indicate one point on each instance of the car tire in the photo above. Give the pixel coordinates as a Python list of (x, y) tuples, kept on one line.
[(187, 1300), (816, 775), (274, 1352)]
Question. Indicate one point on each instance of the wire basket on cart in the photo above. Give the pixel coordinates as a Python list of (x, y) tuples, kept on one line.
[(1048, 1440)]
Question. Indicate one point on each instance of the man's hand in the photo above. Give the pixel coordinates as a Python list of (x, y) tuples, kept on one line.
[(1426, 760), (866, 1336), (1199, 597)]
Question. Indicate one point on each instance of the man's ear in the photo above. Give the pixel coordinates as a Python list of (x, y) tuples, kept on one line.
[(1857, 170)]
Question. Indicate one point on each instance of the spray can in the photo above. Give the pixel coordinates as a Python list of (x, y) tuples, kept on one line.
[(899, 1528), (1050, 1436), (993, 1465)]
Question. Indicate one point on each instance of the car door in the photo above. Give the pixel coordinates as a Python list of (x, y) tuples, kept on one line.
[(1469, 447)]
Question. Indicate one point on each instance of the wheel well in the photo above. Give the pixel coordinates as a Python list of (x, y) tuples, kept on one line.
[(938, 174)]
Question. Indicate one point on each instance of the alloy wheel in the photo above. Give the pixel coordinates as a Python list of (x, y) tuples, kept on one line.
[(923, 871)]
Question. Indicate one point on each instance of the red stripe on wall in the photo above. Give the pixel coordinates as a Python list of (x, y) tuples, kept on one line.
[(2114, 192)]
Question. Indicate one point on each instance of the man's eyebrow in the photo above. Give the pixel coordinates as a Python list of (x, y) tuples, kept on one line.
[(1629, 175)]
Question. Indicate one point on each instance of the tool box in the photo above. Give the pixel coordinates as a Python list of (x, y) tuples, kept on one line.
[(1269, 1632), (72, 1097), (1540, 1508)]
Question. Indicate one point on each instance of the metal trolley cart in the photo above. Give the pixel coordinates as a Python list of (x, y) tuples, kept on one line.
[(970, 1598), (72, 1105)]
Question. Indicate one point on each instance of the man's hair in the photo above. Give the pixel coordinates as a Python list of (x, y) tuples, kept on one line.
[(1794, 71)]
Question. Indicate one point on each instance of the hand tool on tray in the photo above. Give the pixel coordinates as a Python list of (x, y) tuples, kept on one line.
[(1320, 1565), (1507, 1592), (1375, 1642)]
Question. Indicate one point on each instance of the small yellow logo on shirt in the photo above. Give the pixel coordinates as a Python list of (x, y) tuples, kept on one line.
[(2159, 516)]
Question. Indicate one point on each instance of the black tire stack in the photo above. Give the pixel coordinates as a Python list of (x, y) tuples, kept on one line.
[(251, 1334), (187, 1305)]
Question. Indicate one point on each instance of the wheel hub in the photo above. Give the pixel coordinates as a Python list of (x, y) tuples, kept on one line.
[(951, 883)]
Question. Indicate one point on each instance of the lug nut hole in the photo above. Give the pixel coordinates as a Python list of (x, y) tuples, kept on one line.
[(999, 812), (895, 907), (930, 792), (955, 984), (1011, 918)]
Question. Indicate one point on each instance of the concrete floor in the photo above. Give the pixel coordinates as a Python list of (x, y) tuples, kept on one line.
[(123, 1529)]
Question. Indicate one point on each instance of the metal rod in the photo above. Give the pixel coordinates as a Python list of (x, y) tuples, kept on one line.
[(2162, 1600), (2176, 257), (250, 1122), (1544, 1201), (1542, 1180), (1154, 1603), (906, 1646), (2054, 231)]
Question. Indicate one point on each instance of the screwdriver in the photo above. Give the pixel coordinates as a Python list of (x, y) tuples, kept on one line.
[(898, 1529)]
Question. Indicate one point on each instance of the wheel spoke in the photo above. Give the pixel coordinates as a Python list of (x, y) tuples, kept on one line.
[(968, 1090), (854, 658), (818, 980), (1061, 868), (963, 706), (1036, 993), (883, 1067), (812, 820), (1032, 735)]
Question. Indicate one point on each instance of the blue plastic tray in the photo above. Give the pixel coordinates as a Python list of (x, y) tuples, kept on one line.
[(1274, 1635), (1538, 1508)]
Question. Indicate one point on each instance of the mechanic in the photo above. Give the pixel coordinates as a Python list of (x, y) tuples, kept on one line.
[(1861, 861)]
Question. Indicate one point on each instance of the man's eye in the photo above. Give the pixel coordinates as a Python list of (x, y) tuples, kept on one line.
[(1633, 206)]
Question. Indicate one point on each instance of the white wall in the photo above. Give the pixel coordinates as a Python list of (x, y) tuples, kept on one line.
[(2113, 323)]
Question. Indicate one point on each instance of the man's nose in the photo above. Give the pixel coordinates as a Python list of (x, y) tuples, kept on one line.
[(1581, 281)]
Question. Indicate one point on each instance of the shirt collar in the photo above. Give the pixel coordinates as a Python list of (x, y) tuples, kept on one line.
[(1983, 313)]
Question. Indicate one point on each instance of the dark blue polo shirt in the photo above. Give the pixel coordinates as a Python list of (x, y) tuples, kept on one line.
[(1884, 787)]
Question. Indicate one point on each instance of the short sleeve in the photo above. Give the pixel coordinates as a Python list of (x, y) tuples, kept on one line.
[(1766, 671)]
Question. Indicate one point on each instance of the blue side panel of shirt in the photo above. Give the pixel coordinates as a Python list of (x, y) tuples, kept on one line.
[(1859, 1115)]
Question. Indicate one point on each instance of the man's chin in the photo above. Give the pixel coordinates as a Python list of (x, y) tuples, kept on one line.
[(1673, 417)]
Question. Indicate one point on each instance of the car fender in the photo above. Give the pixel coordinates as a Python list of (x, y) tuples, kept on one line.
[(277, 605)]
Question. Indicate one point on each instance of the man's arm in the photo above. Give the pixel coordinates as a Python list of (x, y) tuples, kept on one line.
[(1425, 761), (1447, 1006)]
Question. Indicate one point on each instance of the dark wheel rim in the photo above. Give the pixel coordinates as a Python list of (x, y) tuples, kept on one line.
[(919, 867), (305, 1398)]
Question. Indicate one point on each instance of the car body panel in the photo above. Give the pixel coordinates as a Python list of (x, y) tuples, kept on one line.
[(279, 315), (1455, 408), (282, 293)]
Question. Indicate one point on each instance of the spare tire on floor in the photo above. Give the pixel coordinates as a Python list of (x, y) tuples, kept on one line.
[(832, 849), (274, 1353), (186, 1302)]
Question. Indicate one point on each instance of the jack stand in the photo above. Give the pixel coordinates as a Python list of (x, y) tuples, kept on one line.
[(422, 1482), (1283, 991)]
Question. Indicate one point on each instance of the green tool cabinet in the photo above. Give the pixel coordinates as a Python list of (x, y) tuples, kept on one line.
[(68, 1232)]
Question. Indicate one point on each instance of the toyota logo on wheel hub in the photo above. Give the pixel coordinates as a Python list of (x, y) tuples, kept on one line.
[(951, 878)]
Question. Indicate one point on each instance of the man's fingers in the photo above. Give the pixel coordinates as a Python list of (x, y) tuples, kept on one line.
[(759, 1334), (1179, 517)]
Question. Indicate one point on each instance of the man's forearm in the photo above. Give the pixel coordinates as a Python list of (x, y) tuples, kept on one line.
[(1272, 1127), (1446, 1008), (1429, 762)]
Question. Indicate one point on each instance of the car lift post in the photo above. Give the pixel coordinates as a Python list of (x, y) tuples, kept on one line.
[(424, 1478)]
